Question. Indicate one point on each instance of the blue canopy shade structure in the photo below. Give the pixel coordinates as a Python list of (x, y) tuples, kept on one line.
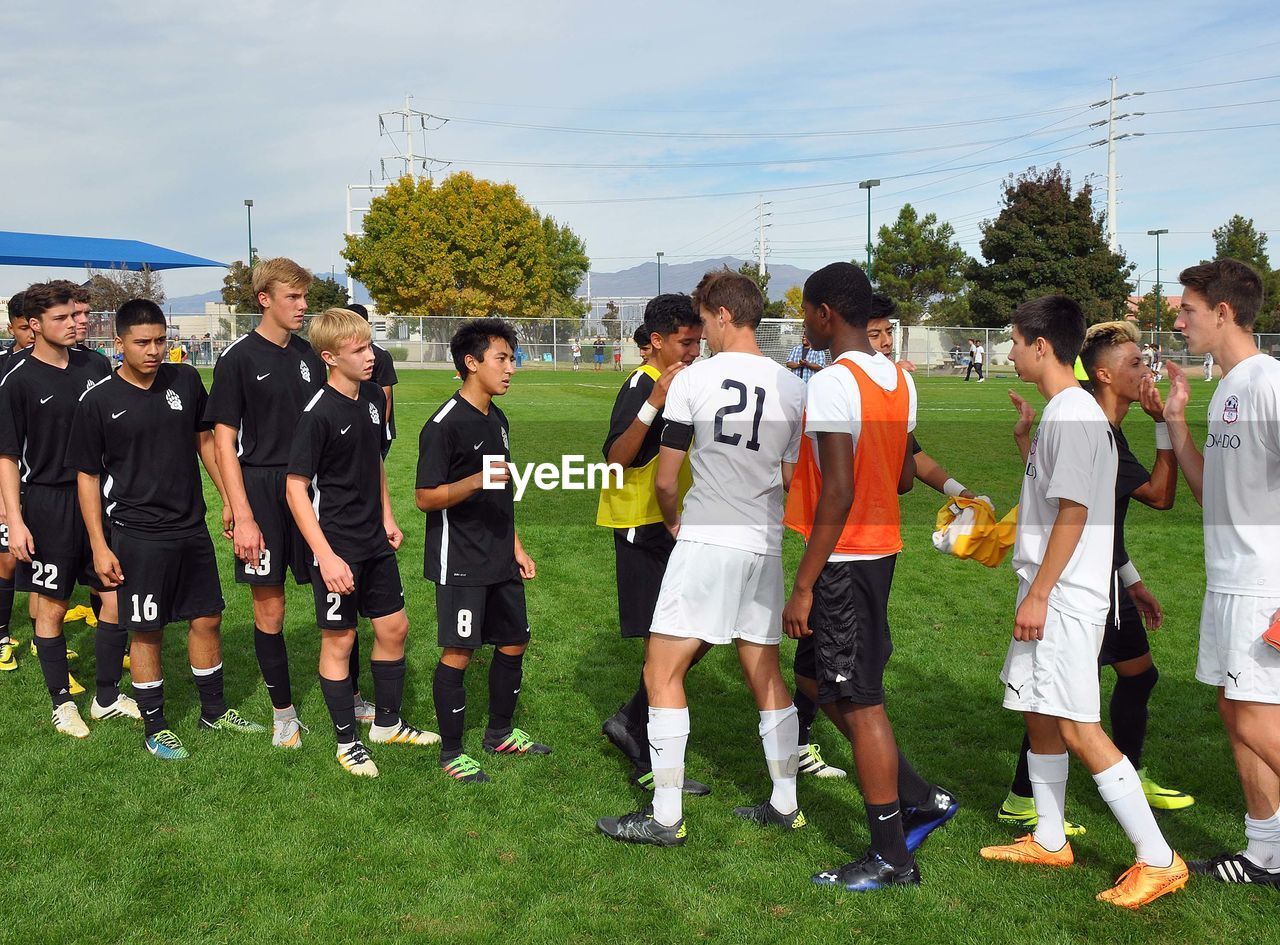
[(88, 252)]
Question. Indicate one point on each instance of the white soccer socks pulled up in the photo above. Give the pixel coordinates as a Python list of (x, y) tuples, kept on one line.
[(668, 737), (779, 732)]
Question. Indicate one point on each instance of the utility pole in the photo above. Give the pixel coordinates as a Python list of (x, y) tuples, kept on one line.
[(1113, 242), (412, 121), (867, 185), (762, 245)]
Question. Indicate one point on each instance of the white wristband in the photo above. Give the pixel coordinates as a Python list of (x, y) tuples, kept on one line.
[(1163, 442), (952, 488), (1129, 575), (647, 413)]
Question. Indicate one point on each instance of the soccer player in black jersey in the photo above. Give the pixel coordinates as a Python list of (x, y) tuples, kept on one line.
[(46, 533), (21, 331), (260, 385), (472, 552), (384, 375), (134, 442), (338, 495)]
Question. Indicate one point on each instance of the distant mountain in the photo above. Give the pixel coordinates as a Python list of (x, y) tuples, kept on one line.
[(642, 280)]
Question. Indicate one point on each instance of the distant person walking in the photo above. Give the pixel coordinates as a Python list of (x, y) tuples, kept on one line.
[(804, 361), (977, 357)]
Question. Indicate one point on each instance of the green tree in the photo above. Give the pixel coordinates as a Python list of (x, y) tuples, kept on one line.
[(326, 293), (752, 271), (1240, 239), (1046, 240), (462, 246), (1146, 310), (237, 289), (919, 265)]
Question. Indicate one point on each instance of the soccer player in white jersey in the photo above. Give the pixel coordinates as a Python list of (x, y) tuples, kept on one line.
[(1237, 481), (723, 584), (1063, 557)]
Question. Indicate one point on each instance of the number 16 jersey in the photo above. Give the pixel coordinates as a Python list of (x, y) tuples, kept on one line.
[(745, 411)]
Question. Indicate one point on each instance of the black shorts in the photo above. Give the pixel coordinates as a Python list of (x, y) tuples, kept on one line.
[(1125, 637), (63, 557), (264, 487), (491, 614), (378, 593), (166, 580), (4, 538), (640, 559), (850, 624)]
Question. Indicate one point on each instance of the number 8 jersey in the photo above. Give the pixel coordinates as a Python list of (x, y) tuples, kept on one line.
[(744, 411)]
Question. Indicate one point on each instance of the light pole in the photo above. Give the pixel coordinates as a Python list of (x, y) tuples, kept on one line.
[(1159, 304), (248, 209), (867, 185), (659, 273)]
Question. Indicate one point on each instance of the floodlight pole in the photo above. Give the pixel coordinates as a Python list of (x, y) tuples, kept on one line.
[(659, 273), (248, 209), (1159, 305), (867, 185)]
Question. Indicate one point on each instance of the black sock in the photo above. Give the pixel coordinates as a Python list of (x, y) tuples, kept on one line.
[(449, 693), (109, 643), (273, 660), (95, 604), (1129, 712), (635, 712), (213, 703), (807, 710), (53, 663), (913, 790), (505, 673), (1021, 776), (150, 698), (885, 821), (6, 606), (342, 708), (353, 664), (388, 690)]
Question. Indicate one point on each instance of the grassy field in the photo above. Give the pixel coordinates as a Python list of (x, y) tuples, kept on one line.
[(246, 843)]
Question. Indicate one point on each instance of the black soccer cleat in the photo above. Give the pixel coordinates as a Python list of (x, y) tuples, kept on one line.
[(1235, 868), (515, 742), (640, 827), (919, 822), (766, 815), (615, 729), (870, 873), (643, 777)]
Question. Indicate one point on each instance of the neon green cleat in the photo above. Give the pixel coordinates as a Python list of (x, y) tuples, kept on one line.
[(167, 746), (1163, 798), (232, 721), (8, 656), (1021, 812)]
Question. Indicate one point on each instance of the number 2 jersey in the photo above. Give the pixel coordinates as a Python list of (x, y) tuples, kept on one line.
[(745, 414)]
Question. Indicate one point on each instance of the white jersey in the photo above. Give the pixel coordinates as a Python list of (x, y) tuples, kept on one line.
[(979, 354), (1073, 456), (745, 410), (1241, 494)]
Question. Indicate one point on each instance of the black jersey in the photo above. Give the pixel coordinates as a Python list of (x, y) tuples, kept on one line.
[(1131, 475), (472, 543), (631, 398), (10, 357), (338, 446), (142, 444), (95, 355), (384, 375), (37, 403), (260, 388)]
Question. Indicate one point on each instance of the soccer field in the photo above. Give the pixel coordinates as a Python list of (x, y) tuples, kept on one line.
[(243, 842)]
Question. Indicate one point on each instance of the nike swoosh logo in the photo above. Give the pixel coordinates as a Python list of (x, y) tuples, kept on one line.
[(120, 414), (515, 692), (345, 429), (456, 711), (264, 376), (45, 400), (888, 816), (152, 711), (478, 445)]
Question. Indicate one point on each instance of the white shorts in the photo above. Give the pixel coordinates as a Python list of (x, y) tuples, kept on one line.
[(1233, 655), (720, 594), (1057, 675)]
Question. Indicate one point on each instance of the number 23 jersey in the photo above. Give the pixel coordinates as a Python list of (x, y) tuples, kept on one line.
[(745, 411)]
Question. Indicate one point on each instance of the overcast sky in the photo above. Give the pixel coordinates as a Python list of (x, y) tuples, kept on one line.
[(154, 121)]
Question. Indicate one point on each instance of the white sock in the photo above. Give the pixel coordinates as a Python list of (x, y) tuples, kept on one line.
[(668, 736), (1264, 841), (779, 730), (1048, 774), (1120, 787)]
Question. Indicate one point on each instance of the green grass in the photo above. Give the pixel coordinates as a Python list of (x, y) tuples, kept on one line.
[(246, 843)]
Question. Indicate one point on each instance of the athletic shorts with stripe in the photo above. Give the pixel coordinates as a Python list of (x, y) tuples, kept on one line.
[(1056, 675), (166, 580), (378, 593), (850, 645), (640, 560), (1125, 637), (1233, 656), (469, 617), (63, 557), (264, 486)]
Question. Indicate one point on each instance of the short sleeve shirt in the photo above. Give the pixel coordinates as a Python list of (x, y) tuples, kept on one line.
[(631, 398), (834, 404), (1131, 476)]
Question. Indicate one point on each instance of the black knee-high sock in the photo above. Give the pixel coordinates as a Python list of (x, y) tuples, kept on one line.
[(109, 643), (449, 692), (342, 708), (913, 790), (388, 690), (353, 664), (213, 702), (150, 698), (807, 710), (635, 711), (1021, 776), (52, 652), (6, 606), (505, 674), (885, 823), (95, 604), (1129, 712), (273, 660)]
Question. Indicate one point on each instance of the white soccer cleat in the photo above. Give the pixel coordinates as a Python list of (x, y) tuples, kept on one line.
[(355, 759), (287, 733), (365, 711), (401, 733), (66, 719), (123, 708)]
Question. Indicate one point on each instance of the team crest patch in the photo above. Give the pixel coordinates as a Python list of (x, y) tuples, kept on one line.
[(172, 399), (304, 371), (506, 444), (1231, 410), (373, 414)]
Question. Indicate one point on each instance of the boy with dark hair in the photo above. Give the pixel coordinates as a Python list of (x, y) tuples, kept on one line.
[(20, 328), (641, 543), (1063, 556), (641, 337), (81, 298), (337, 492), (384, 375), (142, 430), (472, 553), (844, 501), (1235, 481), (46, 532), (260, 384)]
